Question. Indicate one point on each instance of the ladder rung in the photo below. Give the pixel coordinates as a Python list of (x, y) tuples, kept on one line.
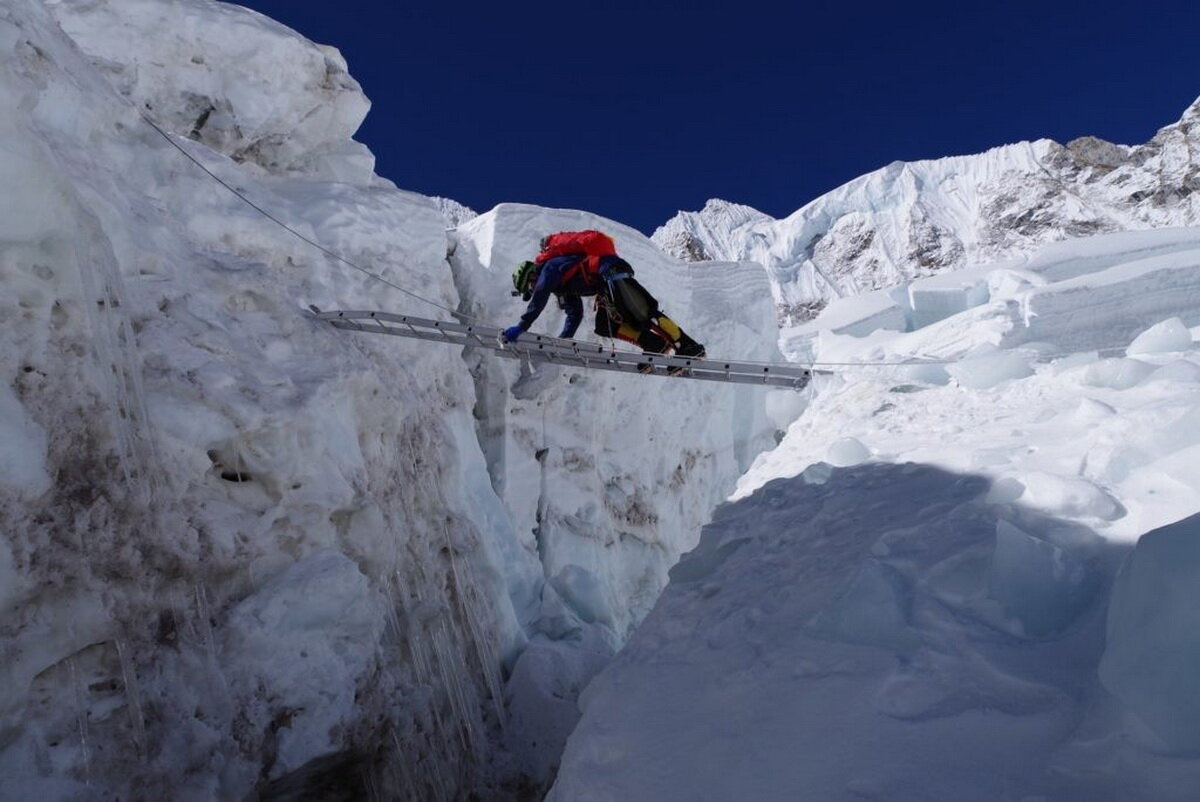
[(569, 352)]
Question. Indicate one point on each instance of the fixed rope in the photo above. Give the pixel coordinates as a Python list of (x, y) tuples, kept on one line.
[(416, 296), (330, 253)]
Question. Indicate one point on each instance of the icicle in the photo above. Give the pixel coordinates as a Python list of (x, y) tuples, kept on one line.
[(81, 719), (485, 653), (441, 632), (224, 696), (133, 697), (118, 361)]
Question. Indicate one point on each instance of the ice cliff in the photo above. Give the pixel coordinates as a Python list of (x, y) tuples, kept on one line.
[(244, 553)]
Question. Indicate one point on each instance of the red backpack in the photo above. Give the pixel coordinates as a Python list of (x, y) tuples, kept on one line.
[(594, 244)]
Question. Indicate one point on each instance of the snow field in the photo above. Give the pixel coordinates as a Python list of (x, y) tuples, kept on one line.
[(1083, 436)]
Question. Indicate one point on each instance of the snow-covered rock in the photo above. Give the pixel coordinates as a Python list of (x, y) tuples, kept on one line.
[(717, 228)]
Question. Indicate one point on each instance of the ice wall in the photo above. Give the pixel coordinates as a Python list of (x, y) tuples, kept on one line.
[(1153, 652), (239, 553), (615, 473)]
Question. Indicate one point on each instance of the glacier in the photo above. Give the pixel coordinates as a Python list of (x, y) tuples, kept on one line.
[(244, 555)]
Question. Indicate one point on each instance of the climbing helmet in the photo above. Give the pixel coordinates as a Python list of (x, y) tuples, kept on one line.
[(524, 278)]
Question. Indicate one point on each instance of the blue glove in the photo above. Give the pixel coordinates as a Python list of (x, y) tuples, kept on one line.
[(511, 334)]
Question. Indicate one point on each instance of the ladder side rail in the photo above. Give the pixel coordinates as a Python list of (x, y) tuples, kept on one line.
[(545, 342), (565, 347), (396, 331), (581, 353), (556, 358)]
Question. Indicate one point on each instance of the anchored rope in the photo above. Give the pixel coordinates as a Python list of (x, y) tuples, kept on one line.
[(453, 312)]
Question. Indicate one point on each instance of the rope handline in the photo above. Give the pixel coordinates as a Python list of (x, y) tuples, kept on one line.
[(293, 231), (454, 313)]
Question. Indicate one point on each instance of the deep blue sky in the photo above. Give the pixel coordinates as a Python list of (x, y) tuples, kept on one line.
[(635, 110)]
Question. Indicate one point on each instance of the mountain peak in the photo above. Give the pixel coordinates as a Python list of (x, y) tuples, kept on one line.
[(912, 219)]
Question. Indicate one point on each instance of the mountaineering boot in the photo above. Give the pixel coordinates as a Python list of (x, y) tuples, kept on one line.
[(651, 343), (685, 346), (689, 347)]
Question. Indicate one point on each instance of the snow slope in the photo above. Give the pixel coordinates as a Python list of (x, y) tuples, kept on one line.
[(835, 640), (909, 220), (245, 554), (913, 596)]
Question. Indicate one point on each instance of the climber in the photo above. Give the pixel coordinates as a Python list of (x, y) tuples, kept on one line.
[(573, 264)]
